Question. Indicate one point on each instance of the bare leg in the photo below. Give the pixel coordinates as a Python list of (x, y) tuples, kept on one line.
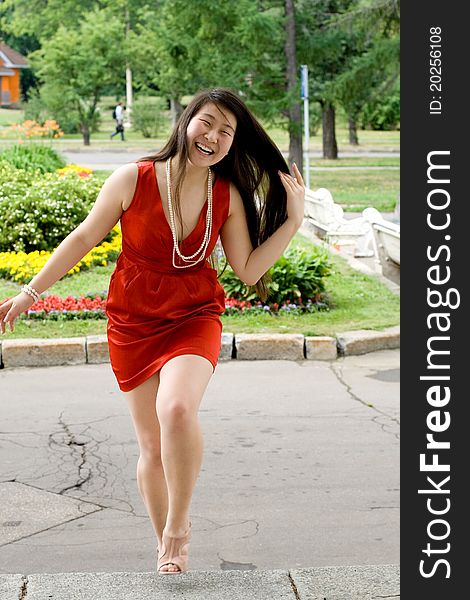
[(150, 475), (183, 381)]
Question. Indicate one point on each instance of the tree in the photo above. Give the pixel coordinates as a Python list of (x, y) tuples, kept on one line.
[(249, 46), (369, 77), (75, 67), (294, 109), (176, 48), (42, 18), (374, 71), (162, 51), (130, 12), (207, 44), (327, 50)]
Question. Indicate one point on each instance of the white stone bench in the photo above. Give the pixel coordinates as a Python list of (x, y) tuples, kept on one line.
[(386, 242), (329, 223)]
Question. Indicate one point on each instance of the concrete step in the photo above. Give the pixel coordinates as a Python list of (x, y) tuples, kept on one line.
[(322, 583)]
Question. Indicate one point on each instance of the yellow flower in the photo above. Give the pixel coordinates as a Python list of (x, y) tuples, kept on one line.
[(20, 266), (72, 168)]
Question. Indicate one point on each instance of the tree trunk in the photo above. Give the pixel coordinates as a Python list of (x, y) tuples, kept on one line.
[(330, 147), (353, 139), (85, 133), (295, 112), (176, 109)]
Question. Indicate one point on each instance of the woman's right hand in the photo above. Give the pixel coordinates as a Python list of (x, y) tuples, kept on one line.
[(12, 308)]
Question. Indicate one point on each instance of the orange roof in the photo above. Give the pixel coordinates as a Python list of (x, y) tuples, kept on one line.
[(11, 58)]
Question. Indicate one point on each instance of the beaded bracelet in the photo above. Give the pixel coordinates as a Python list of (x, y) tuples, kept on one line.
[(35, 292), (31, 292)]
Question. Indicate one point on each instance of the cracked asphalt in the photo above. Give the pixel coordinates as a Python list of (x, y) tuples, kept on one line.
[(300, 470)]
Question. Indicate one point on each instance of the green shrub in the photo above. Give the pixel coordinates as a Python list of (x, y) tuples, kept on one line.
[(38, 211), (33, 157), (383, 114), (149, 116), (42, 105), (34, 108), (297, 276), (15, 179)]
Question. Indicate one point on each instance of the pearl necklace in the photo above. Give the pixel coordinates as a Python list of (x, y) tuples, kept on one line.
[(207, 233)]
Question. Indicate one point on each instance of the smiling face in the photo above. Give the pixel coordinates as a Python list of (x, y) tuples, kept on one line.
[(210, 134)]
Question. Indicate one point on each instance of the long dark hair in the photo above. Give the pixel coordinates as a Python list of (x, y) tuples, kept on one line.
[(252, 165)]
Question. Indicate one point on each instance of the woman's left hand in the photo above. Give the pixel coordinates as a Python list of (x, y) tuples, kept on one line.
[(295, 189)]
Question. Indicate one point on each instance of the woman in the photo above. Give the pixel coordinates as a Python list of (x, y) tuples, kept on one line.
[(219, 174)]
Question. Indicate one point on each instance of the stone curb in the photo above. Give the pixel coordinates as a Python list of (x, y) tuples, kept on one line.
[(362, 341), (335, 583), (97, 349), (321, 347), (37, 352), (93, 349), (269, 346)]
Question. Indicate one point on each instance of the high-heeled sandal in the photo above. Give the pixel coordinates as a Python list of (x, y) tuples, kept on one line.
[(174, 551)]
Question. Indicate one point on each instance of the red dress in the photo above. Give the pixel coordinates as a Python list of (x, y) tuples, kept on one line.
[(156, 311)]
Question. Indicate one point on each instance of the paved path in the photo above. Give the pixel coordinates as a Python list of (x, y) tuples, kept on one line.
[(112, 160), (300, 470)]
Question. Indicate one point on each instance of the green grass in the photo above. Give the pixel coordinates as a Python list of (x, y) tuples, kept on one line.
[(92, 281), (54, 329), (368, 139), (357, 161), (8, 288), (8, 116), (356, 190), (358, 302)]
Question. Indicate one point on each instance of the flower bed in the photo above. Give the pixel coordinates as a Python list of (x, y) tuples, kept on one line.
[(32, 129), (236, 307), (93, 307), (56, 308), (38, 210), (21, 266), (73, 168)]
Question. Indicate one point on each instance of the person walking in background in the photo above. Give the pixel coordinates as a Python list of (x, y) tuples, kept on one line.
[(218, 174), (118, 114)]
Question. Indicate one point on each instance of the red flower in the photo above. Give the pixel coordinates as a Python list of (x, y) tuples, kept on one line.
[(70, 303)]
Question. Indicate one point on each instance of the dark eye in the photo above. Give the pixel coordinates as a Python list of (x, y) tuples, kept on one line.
[(204, 121)]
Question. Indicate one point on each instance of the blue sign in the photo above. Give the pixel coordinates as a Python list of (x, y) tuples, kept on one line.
[(304, 82)]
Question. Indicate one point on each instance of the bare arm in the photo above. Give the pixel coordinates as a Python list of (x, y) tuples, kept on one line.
[(250, 265), (117, 191)]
